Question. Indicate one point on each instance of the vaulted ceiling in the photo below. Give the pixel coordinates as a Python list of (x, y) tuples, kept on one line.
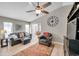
[(17, 10)]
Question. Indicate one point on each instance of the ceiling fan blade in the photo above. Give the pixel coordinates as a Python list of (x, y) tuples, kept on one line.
[(30, 11), (46, 12), (46, 4)]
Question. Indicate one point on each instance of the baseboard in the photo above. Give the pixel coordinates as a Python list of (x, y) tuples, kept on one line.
[(58, 43)]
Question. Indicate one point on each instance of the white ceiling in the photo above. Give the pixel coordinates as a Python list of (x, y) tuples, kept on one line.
[(17, 10)]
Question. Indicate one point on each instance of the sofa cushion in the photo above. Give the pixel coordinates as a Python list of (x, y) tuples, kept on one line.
[(43, 40), (42, 37), (13, 36), (27, 34)]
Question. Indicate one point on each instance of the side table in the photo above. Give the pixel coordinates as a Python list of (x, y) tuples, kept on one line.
[(4, 42)]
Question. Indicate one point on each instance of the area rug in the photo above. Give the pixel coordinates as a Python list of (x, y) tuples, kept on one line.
[(36, 50)]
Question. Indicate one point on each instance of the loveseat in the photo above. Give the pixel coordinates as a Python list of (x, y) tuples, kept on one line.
[(19, 37)]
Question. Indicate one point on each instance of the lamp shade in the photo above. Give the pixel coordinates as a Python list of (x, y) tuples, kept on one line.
[(38, 33), (2, 33)]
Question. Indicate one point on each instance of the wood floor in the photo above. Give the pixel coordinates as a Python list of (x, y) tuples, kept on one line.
[(58, 50), (9, 51)]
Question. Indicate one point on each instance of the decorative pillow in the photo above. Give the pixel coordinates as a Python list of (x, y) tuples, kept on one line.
[(21, 34), (46, 34)]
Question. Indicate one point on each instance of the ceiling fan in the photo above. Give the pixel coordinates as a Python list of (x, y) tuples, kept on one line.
[(40, 8)]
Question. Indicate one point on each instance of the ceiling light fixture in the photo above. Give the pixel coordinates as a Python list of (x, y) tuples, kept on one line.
[(38, 11)]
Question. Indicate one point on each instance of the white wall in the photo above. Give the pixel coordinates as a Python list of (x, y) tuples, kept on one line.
[(71, 29), (14, 21), (60, 30)]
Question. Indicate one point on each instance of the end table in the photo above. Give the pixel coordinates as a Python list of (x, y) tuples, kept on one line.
[(4, 42)]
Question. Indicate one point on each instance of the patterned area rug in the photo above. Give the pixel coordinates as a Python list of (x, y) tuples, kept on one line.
[(36, 50)]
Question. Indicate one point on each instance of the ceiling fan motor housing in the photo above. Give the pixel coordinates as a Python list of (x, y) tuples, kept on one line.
[(38, 7)]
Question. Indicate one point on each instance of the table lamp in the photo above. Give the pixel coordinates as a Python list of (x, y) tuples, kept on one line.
[(2, 33)]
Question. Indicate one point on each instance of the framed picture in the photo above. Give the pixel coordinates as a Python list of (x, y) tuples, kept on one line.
[(17, 27)]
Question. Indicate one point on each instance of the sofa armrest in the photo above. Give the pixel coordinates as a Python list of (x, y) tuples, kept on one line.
[(26, 38), (12, 39), (50, 38)]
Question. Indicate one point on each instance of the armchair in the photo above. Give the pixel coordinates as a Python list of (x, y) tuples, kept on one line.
[(46, 39)]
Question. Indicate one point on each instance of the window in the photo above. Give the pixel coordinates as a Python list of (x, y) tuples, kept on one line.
[(27, 28), (7, 28), (36, 28)]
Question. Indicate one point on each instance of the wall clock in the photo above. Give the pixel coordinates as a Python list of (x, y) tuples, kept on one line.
[(52, 21)]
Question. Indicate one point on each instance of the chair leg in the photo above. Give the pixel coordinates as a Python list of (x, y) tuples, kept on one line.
[(49, 44)]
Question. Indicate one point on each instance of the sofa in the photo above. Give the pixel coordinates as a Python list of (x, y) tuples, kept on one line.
[(19, 37), (46, 39)]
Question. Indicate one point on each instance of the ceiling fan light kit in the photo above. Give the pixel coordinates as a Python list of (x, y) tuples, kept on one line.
[(38, 11)]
